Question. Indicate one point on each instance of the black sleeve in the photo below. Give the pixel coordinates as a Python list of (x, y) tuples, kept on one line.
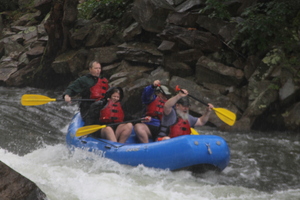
[(94, 112)]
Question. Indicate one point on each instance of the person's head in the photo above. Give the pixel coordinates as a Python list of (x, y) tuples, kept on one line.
[(115, 94), (163, 91), (95, 68), (182, 107)]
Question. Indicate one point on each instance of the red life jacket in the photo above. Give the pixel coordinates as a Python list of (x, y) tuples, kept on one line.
[(99, 89), (111, 113), (181, 127), (156, 108)]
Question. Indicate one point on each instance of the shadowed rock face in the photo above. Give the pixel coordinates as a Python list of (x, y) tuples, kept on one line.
[(14, 186), (168, 40)]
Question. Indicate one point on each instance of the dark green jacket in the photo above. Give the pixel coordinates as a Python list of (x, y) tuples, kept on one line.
[(81, 86)]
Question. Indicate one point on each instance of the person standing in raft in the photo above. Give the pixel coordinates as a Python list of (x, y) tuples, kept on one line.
[(89, 86), (154, 97), (176, 119), (111, 111)]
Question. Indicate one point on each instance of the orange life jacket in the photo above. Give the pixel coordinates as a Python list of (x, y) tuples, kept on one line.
[(181, 127), (156, 108), (111, 113), (99, 89)]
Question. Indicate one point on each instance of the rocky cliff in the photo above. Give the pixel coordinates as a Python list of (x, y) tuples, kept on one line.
[(154, 39)]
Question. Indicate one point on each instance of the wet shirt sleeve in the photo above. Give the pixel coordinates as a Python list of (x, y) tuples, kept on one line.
[(192, 120)]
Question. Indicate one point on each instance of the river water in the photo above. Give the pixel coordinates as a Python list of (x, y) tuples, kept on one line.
[(32, 142)]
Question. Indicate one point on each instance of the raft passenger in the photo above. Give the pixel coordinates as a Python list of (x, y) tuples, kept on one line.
[(154, 97), (176, 120), (89, 86), (111, 111)]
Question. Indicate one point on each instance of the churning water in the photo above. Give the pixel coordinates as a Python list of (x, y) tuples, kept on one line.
[(32, 141)]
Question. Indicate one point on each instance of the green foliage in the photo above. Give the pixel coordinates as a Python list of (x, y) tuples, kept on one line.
[(262, 25), (273, 57), (266, 24), (103, 9), (8, 5), (216, 8), (274, 85)]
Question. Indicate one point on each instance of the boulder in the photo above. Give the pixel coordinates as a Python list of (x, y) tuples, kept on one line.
[(105, 55), (188, 5), (70, 62), (212, 25), (15, 186), (133, 30), (292, 117), (23, 76), (209, 71), (185, 19), (191, 38), (7, 68), (188, 56), (151, 14), (100, 34), (140, 52), (177, 68)]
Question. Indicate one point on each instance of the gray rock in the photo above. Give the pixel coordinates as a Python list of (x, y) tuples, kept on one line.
[(140, 52), (213, 72), (15, 186)]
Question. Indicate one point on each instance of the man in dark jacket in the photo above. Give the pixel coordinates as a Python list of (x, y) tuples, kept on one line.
[(90, 86)]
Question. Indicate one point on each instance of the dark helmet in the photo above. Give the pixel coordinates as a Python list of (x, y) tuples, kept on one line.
[(184, 101), (112, 90)]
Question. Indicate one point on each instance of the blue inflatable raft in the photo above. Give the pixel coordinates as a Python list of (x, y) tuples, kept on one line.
[(197, 153)]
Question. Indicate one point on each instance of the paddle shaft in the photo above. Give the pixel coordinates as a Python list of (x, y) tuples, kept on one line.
[(195, 98), (77, 100), (198, 100), (60, 100), (225, 115)]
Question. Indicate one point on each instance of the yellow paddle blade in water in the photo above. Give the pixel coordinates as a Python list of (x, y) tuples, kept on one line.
[(35, 99), (225, 115), (85, 130)]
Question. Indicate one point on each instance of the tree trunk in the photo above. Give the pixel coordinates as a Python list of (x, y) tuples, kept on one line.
[(63, 15)]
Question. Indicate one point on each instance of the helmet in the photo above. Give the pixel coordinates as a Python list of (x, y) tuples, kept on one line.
[(184, 101), (163, 89)]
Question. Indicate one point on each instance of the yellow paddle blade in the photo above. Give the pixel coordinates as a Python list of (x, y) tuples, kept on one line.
[(225, 115), (194, 132), (35, 99), (85, 130)]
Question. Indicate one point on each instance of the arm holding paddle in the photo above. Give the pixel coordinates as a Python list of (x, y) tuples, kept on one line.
[(177, 121), (205, 117), (67, 98), (172, 101), (225, 115)]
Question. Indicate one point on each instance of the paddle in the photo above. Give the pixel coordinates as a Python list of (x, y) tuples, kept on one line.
[(194, 132), (36, 99), (85, 130), (225, 115)]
